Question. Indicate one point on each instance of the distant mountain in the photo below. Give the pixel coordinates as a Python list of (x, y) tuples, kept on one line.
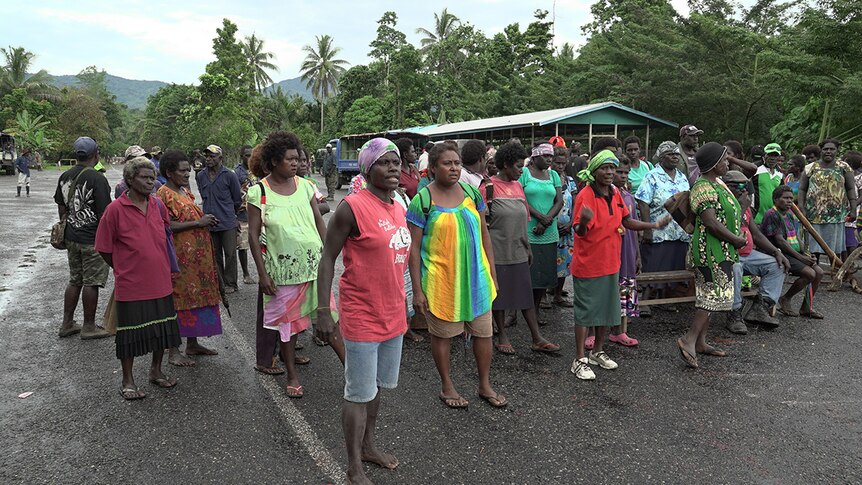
[(134, 93), (131, 92), (292, 86)]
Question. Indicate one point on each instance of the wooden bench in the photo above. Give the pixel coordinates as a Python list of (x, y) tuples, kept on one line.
[(679, 276)]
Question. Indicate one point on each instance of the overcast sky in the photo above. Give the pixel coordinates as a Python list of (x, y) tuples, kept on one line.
[(172, 41)]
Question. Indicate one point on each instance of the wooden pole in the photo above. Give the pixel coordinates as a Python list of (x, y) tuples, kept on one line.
[(835, 260)]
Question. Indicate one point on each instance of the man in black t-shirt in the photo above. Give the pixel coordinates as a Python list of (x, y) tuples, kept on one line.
[(82, 195)]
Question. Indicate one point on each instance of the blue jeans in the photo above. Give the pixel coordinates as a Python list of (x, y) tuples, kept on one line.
[(369, 365), (758, 264)]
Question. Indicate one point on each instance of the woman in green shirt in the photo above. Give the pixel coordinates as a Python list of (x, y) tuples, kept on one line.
[(715, 242), (543, 189), (286, 234)]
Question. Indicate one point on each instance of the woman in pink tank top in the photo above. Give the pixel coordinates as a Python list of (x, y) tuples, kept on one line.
[(372, 231)]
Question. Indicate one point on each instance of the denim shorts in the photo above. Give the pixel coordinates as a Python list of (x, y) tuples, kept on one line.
[(369, 365)]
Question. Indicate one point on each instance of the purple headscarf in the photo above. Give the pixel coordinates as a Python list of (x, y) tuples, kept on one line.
[(372, 150), (545, 149)]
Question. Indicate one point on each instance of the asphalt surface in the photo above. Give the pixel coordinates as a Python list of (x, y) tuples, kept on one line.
[(784, 407)]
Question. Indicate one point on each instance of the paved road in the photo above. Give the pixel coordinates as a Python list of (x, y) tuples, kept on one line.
[(783, 408)]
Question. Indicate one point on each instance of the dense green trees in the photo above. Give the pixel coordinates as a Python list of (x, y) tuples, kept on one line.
[(778, 70)]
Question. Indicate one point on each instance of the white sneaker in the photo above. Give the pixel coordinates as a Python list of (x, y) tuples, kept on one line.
[(602, 360), (581, 370)]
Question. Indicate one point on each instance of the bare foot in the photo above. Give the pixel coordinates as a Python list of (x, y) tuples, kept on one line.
[(707, 349), (383, 460), (413, 336), (175, 357), (785, 307), (199, 349), (356, 476)]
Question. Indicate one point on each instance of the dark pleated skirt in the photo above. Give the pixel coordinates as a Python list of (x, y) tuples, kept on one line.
[(515, 292), (145, 326)]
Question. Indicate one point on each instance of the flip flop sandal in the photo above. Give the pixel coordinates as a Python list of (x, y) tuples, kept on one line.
[(505, 349), (270, 371), (68, 332), (456, 402), (136, 393), (689, 359), (589, 343), (301, 360), (546, 347), (164, 383), (496, 401), (294, 392)]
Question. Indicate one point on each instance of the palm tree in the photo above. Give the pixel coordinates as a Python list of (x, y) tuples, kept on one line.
[(321, 70), (13, 75), (444, 25), (258, 61)]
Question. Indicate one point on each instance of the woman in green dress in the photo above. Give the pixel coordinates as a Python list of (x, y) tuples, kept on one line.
[(713, 252)]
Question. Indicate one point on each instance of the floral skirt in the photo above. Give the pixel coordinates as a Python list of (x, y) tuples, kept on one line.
[(629, 298), (564, 255), (200, 322), (714, 287)]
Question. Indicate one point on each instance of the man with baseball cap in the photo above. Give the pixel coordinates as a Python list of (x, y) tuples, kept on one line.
[(82, 195), (222, 197), (134, 151), (759, 257), (155, 156), (766, 179), (689, 138)]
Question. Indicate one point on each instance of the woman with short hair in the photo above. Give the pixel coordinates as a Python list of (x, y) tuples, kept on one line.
[(827, 196), (452, 264), (507, 225), (196, 286), (134, 239)]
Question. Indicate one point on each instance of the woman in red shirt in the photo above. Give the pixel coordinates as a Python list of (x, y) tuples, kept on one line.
[(133, 239), (599, 218), (372, 231)]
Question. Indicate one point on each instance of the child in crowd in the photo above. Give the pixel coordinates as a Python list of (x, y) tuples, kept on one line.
[(782, 229), (629, 261)]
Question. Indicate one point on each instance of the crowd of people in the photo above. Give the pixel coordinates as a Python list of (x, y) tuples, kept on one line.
[(467, 236)]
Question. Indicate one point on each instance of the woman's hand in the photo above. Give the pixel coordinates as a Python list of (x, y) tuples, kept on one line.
[(325, 325), (267, 286), (420, 303), (208, 220), (739, 242), (646, 236), (586, 216), (663, 222), (539, 229)]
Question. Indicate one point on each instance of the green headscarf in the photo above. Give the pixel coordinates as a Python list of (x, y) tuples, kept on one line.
[(604, 157)]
